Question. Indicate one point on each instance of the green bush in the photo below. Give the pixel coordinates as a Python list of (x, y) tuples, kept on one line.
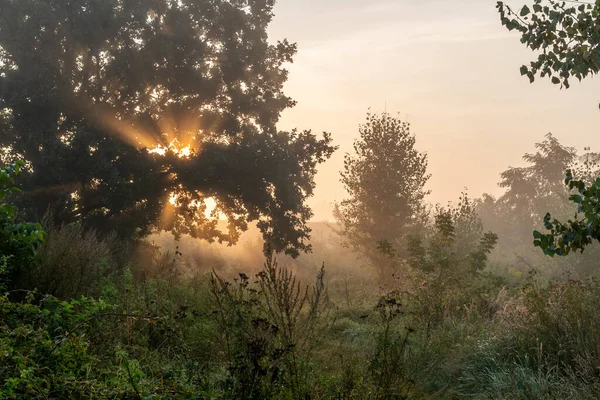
[(18, 240), (43, 353), (155, 330)]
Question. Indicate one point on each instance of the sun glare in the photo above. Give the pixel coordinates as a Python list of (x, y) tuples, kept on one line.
[(210, 203), (184, 152), (175, 147)]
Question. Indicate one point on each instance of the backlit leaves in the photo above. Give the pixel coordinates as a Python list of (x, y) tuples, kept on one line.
[(565, 37), (576, 233)]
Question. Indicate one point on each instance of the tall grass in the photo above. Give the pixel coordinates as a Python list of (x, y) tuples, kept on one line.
[(163, 329), (72, 262)]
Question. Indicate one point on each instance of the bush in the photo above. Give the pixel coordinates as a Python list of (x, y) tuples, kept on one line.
[(72, 262), (43, 354), (18, 240), (547, 346), (388, 365)]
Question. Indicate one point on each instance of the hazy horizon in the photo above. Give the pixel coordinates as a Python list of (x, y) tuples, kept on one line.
[(450, 68)]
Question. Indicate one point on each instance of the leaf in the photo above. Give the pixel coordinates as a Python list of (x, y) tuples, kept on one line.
[(525, 11), (524, 71)]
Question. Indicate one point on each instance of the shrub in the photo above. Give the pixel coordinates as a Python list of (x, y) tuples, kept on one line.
[(18, 240), (42, 353), (547, 345), (269, 328), (72, 262)]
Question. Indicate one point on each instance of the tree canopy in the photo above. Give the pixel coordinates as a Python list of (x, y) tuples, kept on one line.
[(130, 114), (385, 179)]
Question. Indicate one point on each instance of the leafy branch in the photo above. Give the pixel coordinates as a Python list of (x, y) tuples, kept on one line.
[(576, 233)]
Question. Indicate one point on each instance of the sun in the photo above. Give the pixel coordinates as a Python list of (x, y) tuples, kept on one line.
[(174, 147), (184, 152), (181, 151), (209, 202)]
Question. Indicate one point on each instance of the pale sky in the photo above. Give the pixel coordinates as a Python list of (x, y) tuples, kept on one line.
[(448, 66)]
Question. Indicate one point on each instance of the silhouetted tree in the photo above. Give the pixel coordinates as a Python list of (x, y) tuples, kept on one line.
[(531, 191), (130, 113), (385, 179)]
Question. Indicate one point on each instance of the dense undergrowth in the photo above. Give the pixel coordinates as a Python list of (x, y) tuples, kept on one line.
[(84, 317)]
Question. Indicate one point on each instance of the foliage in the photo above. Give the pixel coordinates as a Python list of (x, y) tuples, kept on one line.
[(116, 107), (388, 364), (41, 354), (577, 233), (532, 189), (138, 343), (545, 346), (385, 178), (456, 246), (448, 263), (167, 335), (565, 36), (18, 240)]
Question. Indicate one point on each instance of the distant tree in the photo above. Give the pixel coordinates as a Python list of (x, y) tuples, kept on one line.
[(385, 180), (131, 113), (532, 189), (455, 246)]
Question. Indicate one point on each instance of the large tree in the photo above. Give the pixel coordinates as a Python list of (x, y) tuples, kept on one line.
[(385, 179), (131, 113)]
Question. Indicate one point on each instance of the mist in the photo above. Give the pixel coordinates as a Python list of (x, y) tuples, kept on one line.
[(448, 68)]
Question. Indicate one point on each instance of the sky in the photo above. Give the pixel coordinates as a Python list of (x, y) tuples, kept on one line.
[(448, 67)]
